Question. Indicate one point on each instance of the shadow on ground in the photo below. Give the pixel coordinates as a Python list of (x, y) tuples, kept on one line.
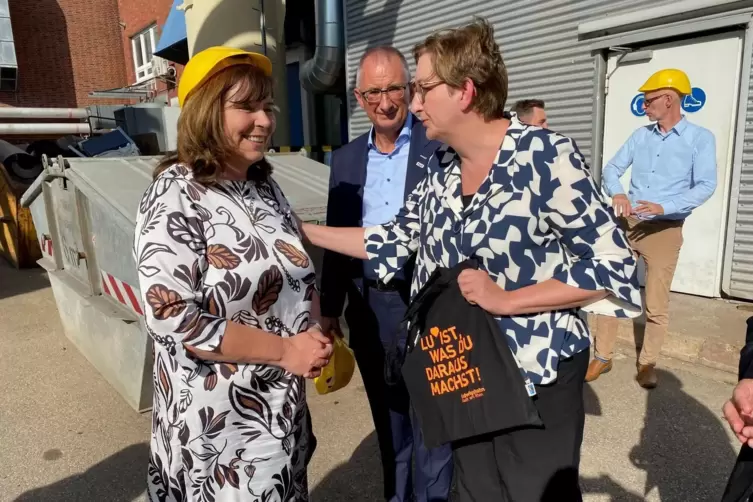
[(683, 449), (604, 484), (358, 479), (118, 478), (15, 282)]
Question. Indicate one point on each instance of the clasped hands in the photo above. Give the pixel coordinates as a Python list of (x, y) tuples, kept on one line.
[(622, 207), (306, 353), (738, 411)]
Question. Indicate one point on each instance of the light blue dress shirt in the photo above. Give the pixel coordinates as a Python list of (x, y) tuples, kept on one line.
[(676, 170), (384, 190)]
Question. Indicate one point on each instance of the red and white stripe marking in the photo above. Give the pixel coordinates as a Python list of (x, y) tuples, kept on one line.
[(121, 292), (46, 245)]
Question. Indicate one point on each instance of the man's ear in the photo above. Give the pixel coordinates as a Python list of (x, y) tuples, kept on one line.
[(359, 98)]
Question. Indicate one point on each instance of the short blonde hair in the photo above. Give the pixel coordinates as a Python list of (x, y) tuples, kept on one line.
[(470, 52)]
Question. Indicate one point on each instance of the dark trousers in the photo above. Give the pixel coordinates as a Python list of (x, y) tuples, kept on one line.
[(531, 464), (374, 321), (740, 483)]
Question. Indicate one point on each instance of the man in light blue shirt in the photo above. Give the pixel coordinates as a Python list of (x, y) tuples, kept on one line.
[(384, 190), (674, 172), (370, 179)]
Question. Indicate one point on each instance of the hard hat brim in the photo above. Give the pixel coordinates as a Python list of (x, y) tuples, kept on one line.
[(240, 58), (668, 78), (652, 89)]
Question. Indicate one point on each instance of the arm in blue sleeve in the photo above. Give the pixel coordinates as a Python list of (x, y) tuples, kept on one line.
[(616, 167), (390, 246), (704, 178)]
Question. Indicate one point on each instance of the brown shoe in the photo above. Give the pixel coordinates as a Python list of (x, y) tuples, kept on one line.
[(646, 376), (596, 368)]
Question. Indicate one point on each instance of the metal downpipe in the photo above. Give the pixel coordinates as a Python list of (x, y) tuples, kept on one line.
[(597, 118), (320, 73)]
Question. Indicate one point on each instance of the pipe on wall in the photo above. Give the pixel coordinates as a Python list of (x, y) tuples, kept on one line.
[(61, 129), (320, 73), (238, 23), (42, 113), (263, 28), (598, 113)]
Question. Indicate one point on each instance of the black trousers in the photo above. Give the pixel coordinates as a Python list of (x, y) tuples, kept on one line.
[(740, 483), (531, 464)]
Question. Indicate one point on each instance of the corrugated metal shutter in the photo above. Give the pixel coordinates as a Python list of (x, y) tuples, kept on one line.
[(539, 42), (741, 274)]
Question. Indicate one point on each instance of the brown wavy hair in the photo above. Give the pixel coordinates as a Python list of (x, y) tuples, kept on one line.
[(203, 145), (470, 52)]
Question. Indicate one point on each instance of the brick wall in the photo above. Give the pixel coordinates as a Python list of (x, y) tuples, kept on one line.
[(65, 49), (138, 15)]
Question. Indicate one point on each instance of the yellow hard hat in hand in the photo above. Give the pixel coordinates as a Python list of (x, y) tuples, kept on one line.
[(668, 79), (338, 372), (203, 65)]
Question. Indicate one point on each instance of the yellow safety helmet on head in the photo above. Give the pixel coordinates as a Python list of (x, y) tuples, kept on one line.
[(202, 66), (668, 79)]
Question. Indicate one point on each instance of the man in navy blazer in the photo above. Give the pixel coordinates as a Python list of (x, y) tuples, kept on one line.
[(370, 179)]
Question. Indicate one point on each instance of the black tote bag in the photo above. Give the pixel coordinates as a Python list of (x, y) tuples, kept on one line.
[(461, 375)]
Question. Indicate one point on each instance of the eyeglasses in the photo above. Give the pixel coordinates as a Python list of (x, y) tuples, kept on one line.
[(394, 92), (421, 89), (647, 102)]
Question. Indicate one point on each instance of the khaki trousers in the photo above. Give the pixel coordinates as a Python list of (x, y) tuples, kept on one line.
[(658, 242)]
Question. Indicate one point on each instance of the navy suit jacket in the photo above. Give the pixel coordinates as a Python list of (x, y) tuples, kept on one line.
[(740, 482), (345, 208)]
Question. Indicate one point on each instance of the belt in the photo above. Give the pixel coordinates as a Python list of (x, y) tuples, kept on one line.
[(394, 284), (659, 221)]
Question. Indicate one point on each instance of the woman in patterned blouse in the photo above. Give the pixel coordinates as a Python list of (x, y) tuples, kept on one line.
[(521, 200), (230, 298)]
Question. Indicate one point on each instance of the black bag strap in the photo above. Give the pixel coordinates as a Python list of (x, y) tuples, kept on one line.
[(428, 291), (439, 280), (451, 274)]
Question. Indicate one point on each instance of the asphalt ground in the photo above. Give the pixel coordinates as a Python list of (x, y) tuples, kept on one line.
[(66, 435)]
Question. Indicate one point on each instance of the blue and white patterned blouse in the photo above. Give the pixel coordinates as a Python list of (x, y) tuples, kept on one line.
[(537, 216)]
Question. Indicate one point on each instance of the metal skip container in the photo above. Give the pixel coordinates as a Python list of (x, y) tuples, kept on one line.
[(84, 212)]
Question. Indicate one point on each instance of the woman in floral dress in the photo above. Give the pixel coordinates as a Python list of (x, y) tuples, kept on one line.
[(230, 298)]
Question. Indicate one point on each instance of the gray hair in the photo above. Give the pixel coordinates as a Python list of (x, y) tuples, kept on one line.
[(385, 50)]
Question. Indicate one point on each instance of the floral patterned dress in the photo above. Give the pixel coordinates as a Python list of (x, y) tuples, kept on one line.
[(206, 255)]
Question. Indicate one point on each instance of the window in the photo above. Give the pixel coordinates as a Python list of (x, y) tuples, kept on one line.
[(8, 78), (143, 46)]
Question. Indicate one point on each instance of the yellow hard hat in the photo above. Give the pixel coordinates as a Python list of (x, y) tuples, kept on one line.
[(211, 61), (338, 372), (668, 79)]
